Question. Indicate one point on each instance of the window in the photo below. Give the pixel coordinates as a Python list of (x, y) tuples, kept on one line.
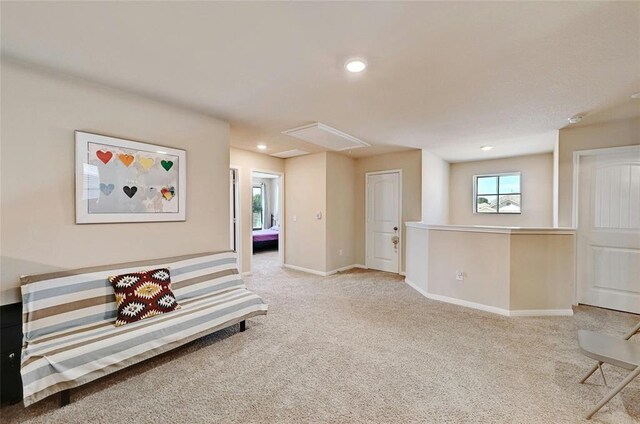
[(257, 209), (497, 193)]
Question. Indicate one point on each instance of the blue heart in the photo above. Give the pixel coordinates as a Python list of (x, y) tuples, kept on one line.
[(106, 188)]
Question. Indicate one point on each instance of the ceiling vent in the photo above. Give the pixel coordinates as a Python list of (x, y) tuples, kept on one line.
[(290, 153), (326, 136)]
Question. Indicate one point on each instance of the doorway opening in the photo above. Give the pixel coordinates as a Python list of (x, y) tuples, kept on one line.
[(267, 229), (383, 232)]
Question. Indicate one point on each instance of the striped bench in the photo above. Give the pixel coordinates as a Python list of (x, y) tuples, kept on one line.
[(68, 319)]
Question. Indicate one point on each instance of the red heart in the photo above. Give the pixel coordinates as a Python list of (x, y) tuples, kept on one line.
[(104, 156)]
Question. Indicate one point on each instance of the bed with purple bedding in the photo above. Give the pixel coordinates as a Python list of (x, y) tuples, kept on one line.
[(265, 235), (265, 239)]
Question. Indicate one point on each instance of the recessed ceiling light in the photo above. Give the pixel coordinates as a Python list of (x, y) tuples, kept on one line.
[(261, 146), (636, 95), (355, 65), (575, 119), (486, 148)]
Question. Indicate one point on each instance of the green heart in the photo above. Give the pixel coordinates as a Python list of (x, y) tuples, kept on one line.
[(166, 164)]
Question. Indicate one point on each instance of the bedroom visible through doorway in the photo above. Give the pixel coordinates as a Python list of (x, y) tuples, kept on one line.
[(266, 218)]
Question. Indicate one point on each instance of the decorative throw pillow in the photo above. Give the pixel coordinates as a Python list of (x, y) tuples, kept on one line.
[(141, 295)]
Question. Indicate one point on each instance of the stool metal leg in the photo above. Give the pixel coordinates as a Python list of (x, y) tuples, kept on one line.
[(614, 392), (591, 371)]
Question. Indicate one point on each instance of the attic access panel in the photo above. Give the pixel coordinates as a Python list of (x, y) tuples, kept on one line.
[(326, 136), (290, 153)]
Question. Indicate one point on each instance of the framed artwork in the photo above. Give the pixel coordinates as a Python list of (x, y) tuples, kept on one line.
[(121, 180)]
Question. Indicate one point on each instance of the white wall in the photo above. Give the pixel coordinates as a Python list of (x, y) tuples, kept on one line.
[(40, 112), (435, 189), (536, 185)]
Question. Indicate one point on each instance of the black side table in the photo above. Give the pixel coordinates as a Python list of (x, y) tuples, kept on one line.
[(10, 347)]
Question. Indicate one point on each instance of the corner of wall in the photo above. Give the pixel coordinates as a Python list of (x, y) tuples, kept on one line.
[(435, 189), (556, 170)]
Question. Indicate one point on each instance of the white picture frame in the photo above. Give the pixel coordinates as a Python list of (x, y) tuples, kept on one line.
[(119, 180)]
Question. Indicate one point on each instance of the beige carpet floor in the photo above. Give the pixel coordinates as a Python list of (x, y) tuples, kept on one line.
[(360, 346)]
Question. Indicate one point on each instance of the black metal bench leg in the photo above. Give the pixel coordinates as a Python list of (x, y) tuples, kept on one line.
[(243, 326), (65, 397)]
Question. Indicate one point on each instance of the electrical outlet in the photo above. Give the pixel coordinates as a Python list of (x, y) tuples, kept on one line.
[(340, 252), (460, 275), (295, 218)]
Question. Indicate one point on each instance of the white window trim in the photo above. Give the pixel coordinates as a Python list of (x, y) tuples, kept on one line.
[(497, 174)]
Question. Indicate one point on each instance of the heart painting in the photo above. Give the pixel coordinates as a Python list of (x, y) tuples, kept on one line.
[(145, 162), (120, 180), (168, 192), (106, 188), (126, 159), (105, 157), (130, 191)]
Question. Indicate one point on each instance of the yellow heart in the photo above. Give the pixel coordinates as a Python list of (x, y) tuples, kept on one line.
[(146, 163)]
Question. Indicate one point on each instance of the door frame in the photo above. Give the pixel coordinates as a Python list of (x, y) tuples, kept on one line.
[(238, 217), (366, 214), (281, 236), (577, 155)]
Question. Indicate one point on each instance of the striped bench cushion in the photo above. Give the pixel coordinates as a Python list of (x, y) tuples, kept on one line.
[(68, 319)]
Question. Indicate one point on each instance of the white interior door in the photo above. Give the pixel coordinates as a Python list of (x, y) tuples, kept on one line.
[(383, 221), (609, 230)]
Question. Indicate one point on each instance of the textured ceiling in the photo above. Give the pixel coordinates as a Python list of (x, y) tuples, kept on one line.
[(447, 76)]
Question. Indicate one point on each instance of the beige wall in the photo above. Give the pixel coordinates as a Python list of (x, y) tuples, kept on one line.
[(435, 189), (521, 273), (411, 165), (484, 259), (617, 133), (542, 271), (536, 185), (247, 161), (40, 113), (341, 218), (305, 195)]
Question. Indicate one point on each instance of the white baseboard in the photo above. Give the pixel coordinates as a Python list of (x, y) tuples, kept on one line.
[(542, 313), (344, 268), (402, 273), (492, 309), (322, 273), (247, 274), (458, 302), (307, 270), (415, 287), (468, 304)]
